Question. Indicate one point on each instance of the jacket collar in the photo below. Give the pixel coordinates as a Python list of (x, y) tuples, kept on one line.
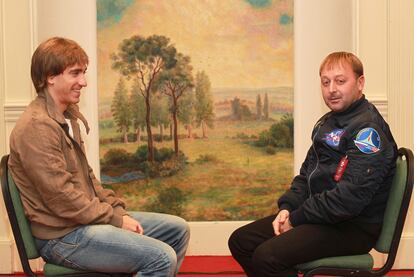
[(71, 113), (353, 107)]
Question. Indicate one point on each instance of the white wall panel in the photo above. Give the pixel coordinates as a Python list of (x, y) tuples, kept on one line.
[(321, 27), (401, 98)]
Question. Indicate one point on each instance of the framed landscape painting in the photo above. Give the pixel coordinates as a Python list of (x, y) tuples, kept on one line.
[(196, 105)]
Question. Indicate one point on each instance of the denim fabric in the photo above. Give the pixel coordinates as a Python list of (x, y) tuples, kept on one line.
[(106, 248)]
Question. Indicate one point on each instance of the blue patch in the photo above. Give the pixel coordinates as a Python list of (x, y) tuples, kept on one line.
[(333, 138), (285, 19), (260, 3), (368, 141)]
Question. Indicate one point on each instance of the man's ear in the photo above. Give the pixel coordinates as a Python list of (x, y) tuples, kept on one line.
[(361, 82), (51, 80)]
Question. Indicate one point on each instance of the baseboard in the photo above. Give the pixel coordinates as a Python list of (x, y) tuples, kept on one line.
[(405, 254), (210, 238), (6, 256)]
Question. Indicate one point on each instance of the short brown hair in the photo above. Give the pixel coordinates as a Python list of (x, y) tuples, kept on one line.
[(52, 57), (336, 58)]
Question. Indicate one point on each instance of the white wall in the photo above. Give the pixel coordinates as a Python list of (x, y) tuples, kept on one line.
[(15, 85), (380, 31), (321, 27)]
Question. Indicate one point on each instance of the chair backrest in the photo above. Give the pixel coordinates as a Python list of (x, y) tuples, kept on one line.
[(20, 225), (397, 205)]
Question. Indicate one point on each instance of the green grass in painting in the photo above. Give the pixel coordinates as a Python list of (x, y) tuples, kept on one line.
[(236, 181)]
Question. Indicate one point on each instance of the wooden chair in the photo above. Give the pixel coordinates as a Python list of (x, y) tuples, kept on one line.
[(23, 236), (395, 214)]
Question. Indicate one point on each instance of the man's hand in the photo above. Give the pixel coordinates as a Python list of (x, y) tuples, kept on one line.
[(130, 224), (281, 223)]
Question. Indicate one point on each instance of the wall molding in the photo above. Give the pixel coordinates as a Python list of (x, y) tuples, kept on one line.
[(381, 102), (13, 110)]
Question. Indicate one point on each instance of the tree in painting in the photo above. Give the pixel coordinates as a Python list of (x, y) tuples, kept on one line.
[(259, 107), (120, 110), (174, 83), (137, 106), (186, 113), (143, 59), (204, 103), (160, 116), (266, 107)]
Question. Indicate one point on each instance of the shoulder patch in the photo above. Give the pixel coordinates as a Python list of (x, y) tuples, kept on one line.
[(368, 141), (334, 137)]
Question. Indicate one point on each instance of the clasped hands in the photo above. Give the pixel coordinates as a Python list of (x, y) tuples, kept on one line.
[(130, 224), (281, 223)]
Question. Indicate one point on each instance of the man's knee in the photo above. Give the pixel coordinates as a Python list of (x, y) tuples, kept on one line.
[(267, 263), (170, 259), (235, 241), (165, 261), (232, 240), (182, 227)]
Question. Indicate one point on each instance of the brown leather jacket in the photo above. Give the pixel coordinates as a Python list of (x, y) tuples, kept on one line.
[(58, 188)]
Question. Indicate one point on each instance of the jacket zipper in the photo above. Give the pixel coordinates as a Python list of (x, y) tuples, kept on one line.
[(317, 160), (83, 161)]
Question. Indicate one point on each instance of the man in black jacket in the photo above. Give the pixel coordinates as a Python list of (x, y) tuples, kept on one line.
[(335, 206)]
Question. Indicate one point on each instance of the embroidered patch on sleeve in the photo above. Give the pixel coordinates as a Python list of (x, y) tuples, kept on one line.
[(368, 141), (333, 138)]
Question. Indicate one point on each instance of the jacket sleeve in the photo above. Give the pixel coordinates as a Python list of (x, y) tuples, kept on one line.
[(45, 165), (293, 198), (362, 179), (107, 195)]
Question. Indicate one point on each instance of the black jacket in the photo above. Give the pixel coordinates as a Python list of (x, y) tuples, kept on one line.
[(362, 136)]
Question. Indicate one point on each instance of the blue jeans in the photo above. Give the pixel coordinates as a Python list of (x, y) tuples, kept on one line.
[(105, 248)]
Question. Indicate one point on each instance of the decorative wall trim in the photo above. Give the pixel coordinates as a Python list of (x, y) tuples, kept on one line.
[(12, 111), (381, 102)]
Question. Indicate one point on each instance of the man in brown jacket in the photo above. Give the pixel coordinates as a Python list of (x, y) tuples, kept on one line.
[(76, 222)]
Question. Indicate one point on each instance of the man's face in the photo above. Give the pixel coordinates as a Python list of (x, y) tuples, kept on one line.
[(65, 88), (340, 88)]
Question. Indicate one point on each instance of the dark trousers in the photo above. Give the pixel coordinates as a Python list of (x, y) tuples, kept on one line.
[(263, 254)]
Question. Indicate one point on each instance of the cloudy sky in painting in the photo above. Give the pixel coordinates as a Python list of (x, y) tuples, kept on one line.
[(238, 43)]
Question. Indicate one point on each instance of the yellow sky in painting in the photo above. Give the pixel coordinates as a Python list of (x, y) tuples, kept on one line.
[(237, 45)]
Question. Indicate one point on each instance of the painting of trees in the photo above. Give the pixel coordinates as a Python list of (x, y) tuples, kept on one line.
[(196, 104), (186, 112), (160, 116), (204, 103), (137, 108), (259, 107), (120, 109), (173, 83), (142, 59), (266, 107)]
